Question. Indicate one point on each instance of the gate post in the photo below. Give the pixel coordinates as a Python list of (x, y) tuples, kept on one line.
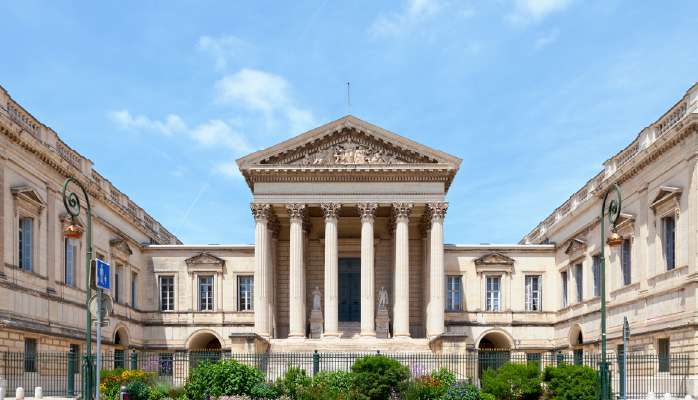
[(134, 360), (316, 363), (71, 373)]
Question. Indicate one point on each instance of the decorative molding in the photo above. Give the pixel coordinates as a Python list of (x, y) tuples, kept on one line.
[(576, 245), (626, 224), (351, 152), (120, 249), (204, 262), (261, 211), (664, 195), (402, 210), (367, 210), (28, 200), (437, 210), (331, 211), (494, 259)]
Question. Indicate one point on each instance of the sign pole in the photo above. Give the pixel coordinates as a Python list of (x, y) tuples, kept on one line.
[(99, 342)]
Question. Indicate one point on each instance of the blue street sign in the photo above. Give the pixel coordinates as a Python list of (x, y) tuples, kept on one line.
[(103, 273)]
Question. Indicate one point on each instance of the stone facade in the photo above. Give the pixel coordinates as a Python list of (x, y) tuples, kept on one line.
[(351, 208)]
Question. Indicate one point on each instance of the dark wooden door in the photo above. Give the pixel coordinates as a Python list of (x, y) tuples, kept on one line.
[(349, 289)]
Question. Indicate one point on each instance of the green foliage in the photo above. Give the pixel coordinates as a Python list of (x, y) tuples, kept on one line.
[(223, 378), (340, 381), (567, 382), (160, 390), (462, 391), (378, 376), (264, 391), (177, 393), (105, 372), (294, 382), (445, 376), (138, 390), (425, 387), (487, 396), (513, 381)]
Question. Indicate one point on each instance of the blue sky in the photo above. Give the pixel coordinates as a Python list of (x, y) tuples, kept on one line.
[(533, 95)]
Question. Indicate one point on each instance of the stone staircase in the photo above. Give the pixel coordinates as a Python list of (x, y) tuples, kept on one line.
[(349, 330)]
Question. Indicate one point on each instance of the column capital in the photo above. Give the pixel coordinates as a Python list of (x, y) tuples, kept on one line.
[(402, 210), (331, 211), (261, 211), (296, 211), (368, 210), (437, 210)]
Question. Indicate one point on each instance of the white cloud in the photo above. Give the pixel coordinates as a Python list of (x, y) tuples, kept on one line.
[(229, 170), (172, 124), (527, 11), (398, 23), (264, 92), (217, 133), (544, 40), (224, 48)]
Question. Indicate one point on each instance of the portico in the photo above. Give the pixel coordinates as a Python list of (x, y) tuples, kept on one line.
[(353, 206)]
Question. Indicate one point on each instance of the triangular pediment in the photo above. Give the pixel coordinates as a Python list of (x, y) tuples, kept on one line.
[(575, 245), (205, 258), (348, 141), (28, 193), (494, 258), (663, 194), (120, 245)]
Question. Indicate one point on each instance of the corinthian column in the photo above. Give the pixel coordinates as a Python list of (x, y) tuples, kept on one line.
[(261, 212), (435, 319), (401, 325), (296, 213), (368, 214), (331, 212)]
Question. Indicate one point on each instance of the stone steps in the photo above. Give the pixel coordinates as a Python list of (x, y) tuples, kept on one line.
[(414, 346)]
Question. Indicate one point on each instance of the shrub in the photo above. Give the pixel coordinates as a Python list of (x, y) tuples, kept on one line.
[(161, 390), (340, 381), (264, 391), (223, 378), (567, 382), (110, 386), (513, 381), (177, 393), (462, 391), (138, 390), (426, 387), (378, 376), (105, 372), (444, 375), (487, 396), (295, 381)]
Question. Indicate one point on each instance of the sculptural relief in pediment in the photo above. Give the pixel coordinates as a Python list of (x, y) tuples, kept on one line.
[(351, 152)]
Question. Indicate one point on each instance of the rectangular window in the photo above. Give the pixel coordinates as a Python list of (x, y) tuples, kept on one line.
[(119, 358), (578, 281), (167, 293), (29, 355), (663, 353), (533, 293), (69, 263), (596, 271), (578, 356), (245, 293), (134, 289), (117, 272), (205, 293), (493, 293), (563, 276), (453, 293), (669, 229), (25, 243), (626, 250)]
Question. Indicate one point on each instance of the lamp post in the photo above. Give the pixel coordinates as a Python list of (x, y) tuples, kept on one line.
[(614, 240), (73, 234)]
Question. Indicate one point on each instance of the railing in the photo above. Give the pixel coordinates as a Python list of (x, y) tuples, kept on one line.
[(60, 374)]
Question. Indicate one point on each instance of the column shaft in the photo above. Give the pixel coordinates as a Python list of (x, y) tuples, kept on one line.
[(331, 310), (401, 326), (437, 284), (368, 214), (296, 324), (261, 258)]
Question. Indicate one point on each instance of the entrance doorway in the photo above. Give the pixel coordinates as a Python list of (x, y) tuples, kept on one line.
[(349, 289)]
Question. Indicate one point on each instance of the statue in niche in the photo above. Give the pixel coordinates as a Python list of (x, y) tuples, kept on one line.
[(382, 299), (316, 299)]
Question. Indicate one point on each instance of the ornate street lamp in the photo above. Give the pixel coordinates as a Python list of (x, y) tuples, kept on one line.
[(73, 234), (614, 240)]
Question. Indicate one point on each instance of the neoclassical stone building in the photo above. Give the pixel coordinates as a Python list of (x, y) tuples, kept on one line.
[(349, 253)]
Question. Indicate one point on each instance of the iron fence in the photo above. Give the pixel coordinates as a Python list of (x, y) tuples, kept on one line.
[(60, 374)]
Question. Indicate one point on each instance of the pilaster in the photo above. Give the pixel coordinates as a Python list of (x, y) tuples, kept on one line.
[(401, 326), (367, 211)]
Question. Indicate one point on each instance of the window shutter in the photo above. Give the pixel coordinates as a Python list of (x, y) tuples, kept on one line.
[(252, 293), (529, 293), (540, 293), (68, 264), (27, 230)]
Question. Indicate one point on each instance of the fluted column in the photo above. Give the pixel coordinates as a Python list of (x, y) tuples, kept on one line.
[(437, 290), (401, 324), (296, 214), (331, 212), (261, 212), (367, 211)]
